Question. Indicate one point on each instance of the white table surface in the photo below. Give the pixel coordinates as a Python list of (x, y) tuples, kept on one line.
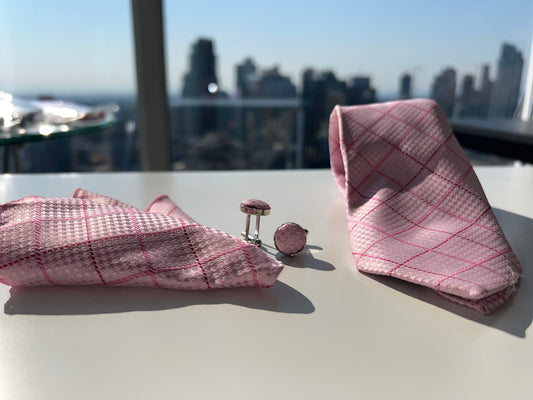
[(323, 331)]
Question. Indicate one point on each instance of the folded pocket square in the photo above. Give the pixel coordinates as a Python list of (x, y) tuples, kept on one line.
[(415, 208), (92, 239)]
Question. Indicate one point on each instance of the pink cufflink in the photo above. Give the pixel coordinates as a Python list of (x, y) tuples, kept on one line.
[(257, 208), (290, 238)]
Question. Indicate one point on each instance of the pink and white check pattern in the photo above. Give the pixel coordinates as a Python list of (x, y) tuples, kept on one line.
[(415, 208), (92, 239)]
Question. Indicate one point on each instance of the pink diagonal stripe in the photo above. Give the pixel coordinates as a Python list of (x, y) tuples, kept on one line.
[(89, 244), (418, 270), (423, 164), (37, 227), (441, 209), (193, 250), (365, 129), (423, 218), (457, 234), (141, 246), (470, 267)]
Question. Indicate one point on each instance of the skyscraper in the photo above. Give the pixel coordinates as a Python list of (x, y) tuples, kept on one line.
[(320, 93), (443, 90), (467, 104), (201, 80), (467, 90), (360, 92), (200, 83), (246, 77), (504, 98), (485, 92), (405, 87), (273, 84)]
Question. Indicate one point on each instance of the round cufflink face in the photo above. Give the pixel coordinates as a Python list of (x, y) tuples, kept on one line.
[(290, 238), (255, 207)]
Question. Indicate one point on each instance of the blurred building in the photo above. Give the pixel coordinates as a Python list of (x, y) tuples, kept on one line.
[(506, 89), (473, 102), (485, 92), (199, 83), (321, 92), (258, 129), (273, 84), (246, 78), (443, 90), (201, 80), (405, 91), (269, 83), (467, 103), (360, 91)]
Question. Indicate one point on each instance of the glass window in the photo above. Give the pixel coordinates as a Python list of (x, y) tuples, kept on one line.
[(252, 83)]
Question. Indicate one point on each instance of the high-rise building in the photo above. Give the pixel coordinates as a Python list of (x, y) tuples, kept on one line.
[(201, 80), (320, 93), (485, 92), (200, 83), (268, 83), (443, 90), (360, 92), (405, 87), (272, 84), (505, 92), (246, 77), (467, 101), (467, 88)]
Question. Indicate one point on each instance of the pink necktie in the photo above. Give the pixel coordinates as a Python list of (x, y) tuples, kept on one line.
[(92, 239), (415, 208)]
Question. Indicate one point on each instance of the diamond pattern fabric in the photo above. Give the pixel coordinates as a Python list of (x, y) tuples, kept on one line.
[(91, 239), (415, 208)]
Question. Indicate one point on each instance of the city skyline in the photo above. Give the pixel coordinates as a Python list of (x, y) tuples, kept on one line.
[(74, 54), (466, 96), (207, 118)]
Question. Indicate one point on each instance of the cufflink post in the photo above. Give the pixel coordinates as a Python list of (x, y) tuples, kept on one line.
[(258, 208)]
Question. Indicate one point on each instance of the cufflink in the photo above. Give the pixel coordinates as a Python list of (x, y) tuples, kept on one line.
[(290, 238), (257, 208)]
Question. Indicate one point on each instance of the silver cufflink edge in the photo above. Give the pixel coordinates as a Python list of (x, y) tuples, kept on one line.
[(258, 208)]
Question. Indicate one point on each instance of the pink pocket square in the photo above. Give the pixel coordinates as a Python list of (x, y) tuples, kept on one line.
[(92, 239), (415, 208)]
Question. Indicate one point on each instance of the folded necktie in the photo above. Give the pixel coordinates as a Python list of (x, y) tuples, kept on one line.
[(92, 239), (415, 208)]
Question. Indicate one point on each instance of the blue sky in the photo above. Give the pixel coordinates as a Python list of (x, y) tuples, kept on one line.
[(87, 46)]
